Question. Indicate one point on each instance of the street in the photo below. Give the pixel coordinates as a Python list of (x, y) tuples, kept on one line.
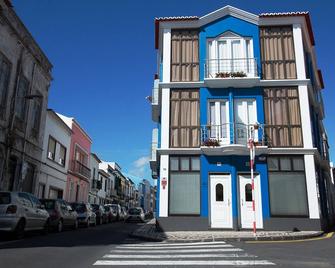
[(109, 245)]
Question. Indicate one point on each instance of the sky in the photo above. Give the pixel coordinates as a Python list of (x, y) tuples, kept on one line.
[(104, 64)]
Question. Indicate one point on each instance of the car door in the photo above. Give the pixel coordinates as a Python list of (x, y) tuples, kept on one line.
[(28, 210)]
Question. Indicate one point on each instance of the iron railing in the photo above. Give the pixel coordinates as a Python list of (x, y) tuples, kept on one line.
[(81, 169), (231, 68), (232, 133)]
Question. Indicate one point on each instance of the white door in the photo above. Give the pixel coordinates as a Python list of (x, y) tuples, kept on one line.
[(221, 207), (245, 117), (247, 213), (219, 121)]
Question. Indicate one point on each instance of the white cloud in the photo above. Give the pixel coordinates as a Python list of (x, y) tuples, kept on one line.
[(140, 167)]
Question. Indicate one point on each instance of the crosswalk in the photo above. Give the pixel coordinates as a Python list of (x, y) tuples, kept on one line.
[(135, 253)]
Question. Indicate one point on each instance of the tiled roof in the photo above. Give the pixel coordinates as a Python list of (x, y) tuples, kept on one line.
[(177, 18)]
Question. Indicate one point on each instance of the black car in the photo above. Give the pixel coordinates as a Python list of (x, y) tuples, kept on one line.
[(61, 214), (101, 215)]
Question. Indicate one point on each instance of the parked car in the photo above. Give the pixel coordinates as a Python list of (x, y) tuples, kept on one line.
[(135, 214), (111, 213), (61, 214), (20, 212), (101, 215), (116, 208), (86, 216), (123, 213)]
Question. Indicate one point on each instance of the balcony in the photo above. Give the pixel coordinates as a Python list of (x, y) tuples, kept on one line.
[(155, 107), (231, 72), (232, 139), (80, 169), (154, 146)]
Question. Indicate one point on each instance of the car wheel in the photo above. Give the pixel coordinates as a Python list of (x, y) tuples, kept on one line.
[(75, 225), (46, 227), (19, 230), (59, 226)]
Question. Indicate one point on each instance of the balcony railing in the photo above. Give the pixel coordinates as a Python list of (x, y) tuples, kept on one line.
[(232, 133), (231, 68), (81, 169), (96, 185)]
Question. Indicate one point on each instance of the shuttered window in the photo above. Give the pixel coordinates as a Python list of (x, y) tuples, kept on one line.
[(277, 50), (184, 55)]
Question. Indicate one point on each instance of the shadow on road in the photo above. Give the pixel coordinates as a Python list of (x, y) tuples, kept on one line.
[(113, 233)]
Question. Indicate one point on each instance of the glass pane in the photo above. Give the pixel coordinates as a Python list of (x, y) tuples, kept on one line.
[(298, 164), (184, 193), (288, 194), (219, 192), (184, 163), (174, 163), (195, 161), (273, 163), (248, 192), (285, 163), (223, 122)]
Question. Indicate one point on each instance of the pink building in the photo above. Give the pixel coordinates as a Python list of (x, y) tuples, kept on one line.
[(79, 173)]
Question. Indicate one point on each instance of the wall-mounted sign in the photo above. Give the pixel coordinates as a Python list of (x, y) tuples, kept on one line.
[(164, 183)]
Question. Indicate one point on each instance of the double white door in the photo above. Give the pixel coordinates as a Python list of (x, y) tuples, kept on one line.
[(246, 206), (221, 201), (219, 121)]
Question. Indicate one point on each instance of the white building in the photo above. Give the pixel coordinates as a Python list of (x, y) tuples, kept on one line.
[(56, 144)]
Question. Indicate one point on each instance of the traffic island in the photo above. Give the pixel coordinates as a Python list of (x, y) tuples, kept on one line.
[(149, 232)]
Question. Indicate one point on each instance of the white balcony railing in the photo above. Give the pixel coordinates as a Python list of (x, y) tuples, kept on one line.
[(231, 68), (232, 133)]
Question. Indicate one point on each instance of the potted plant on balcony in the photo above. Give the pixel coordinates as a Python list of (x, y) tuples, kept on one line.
[(238, 74), (222, 75), (211, 143)]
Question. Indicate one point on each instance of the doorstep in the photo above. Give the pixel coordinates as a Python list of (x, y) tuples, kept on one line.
[(148, 232)]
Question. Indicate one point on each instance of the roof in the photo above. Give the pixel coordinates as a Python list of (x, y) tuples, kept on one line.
[(52, 112), (304, 14), (229, 10), (96, 157)]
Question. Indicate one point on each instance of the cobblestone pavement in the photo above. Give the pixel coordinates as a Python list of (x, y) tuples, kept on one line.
[(149, 232)]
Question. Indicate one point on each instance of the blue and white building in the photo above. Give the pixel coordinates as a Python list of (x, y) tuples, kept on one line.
[(222, 79)]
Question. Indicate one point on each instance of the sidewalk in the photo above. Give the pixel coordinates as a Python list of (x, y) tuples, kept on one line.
[(148, 232)]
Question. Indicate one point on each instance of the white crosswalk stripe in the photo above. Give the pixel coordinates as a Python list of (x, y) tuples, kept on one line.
[(179, 254)]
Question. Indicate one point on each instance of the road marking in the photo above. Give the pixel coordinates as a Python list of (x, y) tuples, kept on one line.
[(179, 262), (329, 235), (158, 244), (173, 247), (175, 256), (178, 251)]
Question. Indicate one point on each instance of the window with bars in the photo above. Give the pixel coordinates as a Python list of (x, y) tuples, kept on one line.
[(184, 118), (184, 55), (277, 51), (282, 117)]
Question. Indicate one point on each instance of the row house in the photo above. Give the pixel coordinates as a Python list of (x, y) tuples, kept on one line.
[(25, 77), (222, 80), (55, 164), (79, 172)]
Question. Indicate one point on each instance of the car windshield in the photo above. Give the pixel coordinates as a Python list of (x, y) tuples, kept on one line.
[(107, 208), (80, 208), (4, 198), (49, 204), (95, 206), (134, 211)]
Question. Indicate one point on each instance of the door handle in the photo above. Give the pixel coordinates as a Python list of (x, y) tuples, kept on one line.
[(228, 202)]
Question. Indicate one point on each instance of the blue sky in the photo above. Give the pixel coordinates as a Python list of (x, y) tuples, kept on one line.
[(104, 63)]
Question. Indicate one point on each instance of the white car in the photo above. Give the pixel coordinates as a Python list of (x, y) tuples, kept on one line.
[(20, 212), (135, 214)]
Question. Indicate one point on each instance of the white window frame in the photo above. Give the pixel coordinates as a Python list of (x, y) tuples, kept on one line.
[(226, 140), (229, 37)]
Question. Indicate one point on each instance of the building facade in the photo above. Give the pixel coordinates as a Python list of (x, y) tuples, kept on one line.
[(79, 173), (56, 145), (25, 76), (223, 79)]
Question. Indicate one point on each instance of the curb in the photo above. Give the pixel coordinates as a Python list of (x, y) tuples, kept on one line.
[(229, 239)]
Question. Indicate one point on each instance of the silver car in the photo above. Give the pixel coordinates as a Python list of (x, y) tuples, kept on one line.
[(20, 212), (135, 214), (86, 216)]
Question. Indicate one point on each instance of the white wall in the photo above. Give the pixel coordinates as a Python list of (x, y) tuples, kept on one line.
[(52, 173)]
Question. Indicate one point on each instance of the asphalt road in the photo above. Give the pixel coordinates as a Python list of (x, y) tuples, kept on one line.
[(110, 246)]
